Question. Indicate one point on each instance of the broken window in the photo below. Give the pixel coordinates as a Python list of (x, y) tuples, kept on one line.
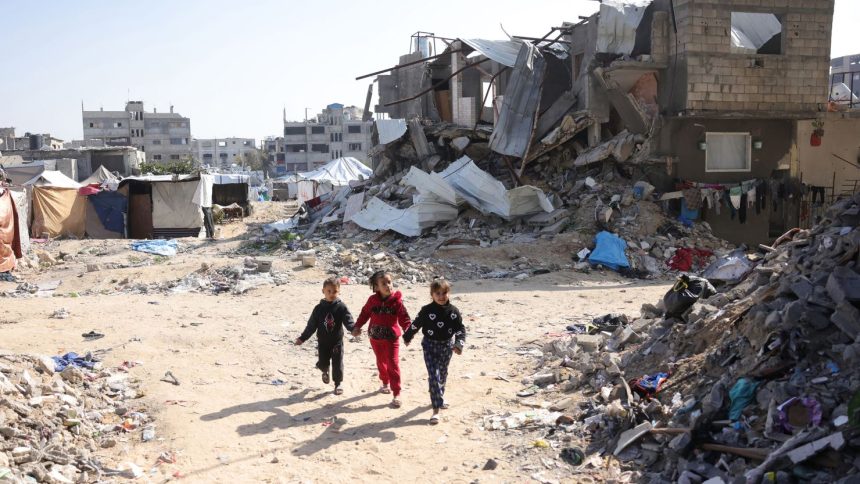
[(756, 33), (354, 129), (727, 152), (292, 130)]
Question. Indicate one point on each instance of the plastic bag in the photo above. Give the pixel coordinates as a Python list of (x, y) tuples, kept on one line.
[(686, 291)]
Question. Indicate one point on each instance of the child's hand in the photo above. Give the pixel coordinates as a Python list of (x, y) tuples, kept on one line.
[(458, 350), (406, 342), (356, 332), (298, 342)]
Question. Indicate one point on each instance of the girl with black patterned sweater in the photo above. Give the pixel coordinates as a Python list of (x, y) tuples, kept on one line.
[(444, 334)]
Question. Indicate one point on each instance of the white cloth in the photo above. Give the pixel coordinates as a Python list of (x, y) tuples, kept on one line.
[(171, 207), (203, 194)]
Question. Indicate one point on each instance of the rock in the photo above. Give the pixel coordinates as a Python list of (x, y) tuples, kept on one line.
[(843, 284), (802, 289), (72, 375), (46, 365), (589, 342), (847, 318), (681, 443), (461, 143), (490, 465), (21, 455)]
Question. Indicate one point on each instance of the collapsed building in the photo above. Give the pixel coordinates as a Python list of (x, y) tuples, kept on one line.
[(722, 109)]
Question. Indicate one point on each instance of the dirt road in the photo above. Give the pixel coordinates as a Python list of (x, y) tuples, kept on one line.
[(228, 423)]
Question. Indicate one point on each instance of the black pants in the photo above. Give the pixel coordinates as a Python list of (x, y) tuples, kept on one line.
[(208, 222), (333, 354)]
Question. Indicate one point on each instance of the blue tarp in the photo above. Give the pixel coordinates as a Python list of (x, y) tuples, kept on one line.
[(157, 247), (609, 251), (110, 207), (72, 359)]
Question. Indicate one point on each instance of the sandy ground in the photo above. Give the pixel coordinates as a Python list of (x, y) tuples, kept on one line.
[(228, 423)]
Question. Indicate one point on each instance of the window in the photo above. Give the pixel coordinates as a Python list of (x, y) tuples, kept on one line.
[(354, 128), (246, 143), (223, 156), (174, 157), (156, 141), (317, 129), (727, 152), (179, 141), (295, 148), (292, 130), (207, 156), (756, 33), (319, 148), (92, 125), (156, 157), (222, 144), (117, 125), (355, 147)]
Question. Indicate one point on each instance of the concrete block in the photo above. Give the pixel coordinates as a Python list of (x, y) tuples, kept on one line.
[(843, 284), (847, 319), (589, 342)]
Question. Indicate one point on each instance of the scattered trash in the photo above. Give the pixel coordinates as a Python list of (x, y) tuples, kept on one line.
[(169, 378), (167, 248)]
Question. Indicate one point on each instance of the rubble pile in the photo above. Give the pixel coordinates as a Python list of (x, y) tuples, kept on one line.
[(59, 418), (231, 279), (758, 383)]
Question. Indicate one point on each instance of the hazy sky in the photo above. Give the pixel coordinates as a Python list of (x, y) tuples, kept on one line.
[(233, 66)]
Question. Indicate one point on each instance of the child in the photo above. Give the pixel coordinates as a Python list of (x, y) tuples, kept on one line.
[(388, 318), (328, 318), (444, 332)]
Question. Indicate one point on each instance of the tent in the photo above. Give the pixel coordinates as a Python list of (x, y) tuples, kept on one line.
[(162, 206), (58, 209), (99, 177), (228, 189), (10, 240), (335, 173)]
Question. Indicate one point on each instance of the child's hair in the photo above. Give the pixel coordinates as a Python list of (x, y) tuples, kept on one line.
[(440, 284), (375, 277), (332, 281)]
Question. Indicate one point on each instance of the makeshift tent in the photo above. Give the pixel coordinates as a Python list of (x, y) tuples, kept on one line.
[(229, 189), (336, 173), (99, 177), (58, 209), (22, 206), (106, 215), (10, 240), (162, 206)]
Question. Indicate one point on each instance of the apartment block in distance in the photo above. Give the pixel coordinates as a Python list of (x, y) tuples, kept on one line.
[(336, 132), (161, 136), (222, 152)]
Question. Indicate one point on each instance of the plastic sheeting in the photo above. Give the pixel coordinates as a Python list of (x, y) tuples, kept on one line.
[(173, 207), (50, 178), (616, 27), (158, 247), (750, 31), (10, 240), (409, 221), (100, 176), (731, 268), (58, 212), (609, 251), (502, 51), (109, 208), (390, 130), (339, 172)]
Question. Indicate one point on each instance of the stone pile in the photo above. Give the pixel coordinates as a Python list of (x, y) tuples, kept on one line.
[(61, 426), (759, 383)]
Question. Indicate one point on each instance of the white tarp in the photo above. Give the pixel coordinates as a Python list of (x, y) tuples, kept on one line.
[(230, 178), (750, 31), (339, 172), (99, 177), (390, 130), (431, 186), (502, 51), (378, 215), (489, 195), (842, 94), (616, 27), (173, 206), (50, 178)]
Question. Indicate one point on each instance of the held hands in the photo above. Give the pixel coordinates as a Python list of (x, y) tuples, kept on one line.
[(298, 342), (356, 332), (458, 350)]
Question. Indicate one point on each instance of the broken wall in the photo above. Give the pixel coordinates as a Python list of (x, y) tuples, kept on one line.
[(403, 83), (708, 76), (836, 162)]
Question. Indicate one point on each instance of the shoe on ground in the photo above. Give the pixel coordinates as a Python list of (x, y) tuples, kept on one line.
[(384, 389), (325, 377), (434, 420), (338, 391), (396, 403)]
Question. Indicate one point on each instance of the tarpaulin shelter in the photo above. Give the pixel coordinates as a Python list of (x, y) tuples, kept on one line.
[(161, 206), (106, 215), (228, 189), (336, 173), (99, 177), (10, 240), (58, 209)]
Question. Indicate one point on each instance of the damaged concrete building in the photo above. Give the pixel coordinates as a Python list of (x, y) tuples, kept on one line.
[(711, 102)]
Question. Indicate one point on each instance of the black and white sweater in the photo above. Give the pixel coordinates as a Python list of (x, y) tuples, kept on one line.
[(438, 323)]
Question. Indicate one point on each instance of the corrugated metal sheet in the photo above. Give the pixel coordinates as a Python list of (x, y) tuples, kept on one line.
[(390, 130), (502, 51), (411, 221), (512, 134), (616, 27)]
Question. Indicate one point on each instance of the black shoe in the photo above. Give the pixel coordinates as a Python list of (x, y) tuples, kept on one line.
[(325, 376)]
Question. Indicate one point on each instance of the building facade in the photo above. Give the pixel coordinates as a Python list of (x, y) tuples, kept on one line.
[(336, 132), (274, 150), (845, 80), (162, 137), (30, 141), (223, 152)]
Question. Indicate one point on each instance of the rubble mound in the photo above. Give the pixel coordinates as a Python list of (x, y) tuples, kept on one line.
[(758, 383), (60, 417)]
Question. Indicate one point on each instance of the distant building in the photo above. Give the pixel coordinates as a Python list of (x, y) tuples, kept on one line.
[(222, 152), (336, 132), (30, 141), (274, 149), (162, 136)]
